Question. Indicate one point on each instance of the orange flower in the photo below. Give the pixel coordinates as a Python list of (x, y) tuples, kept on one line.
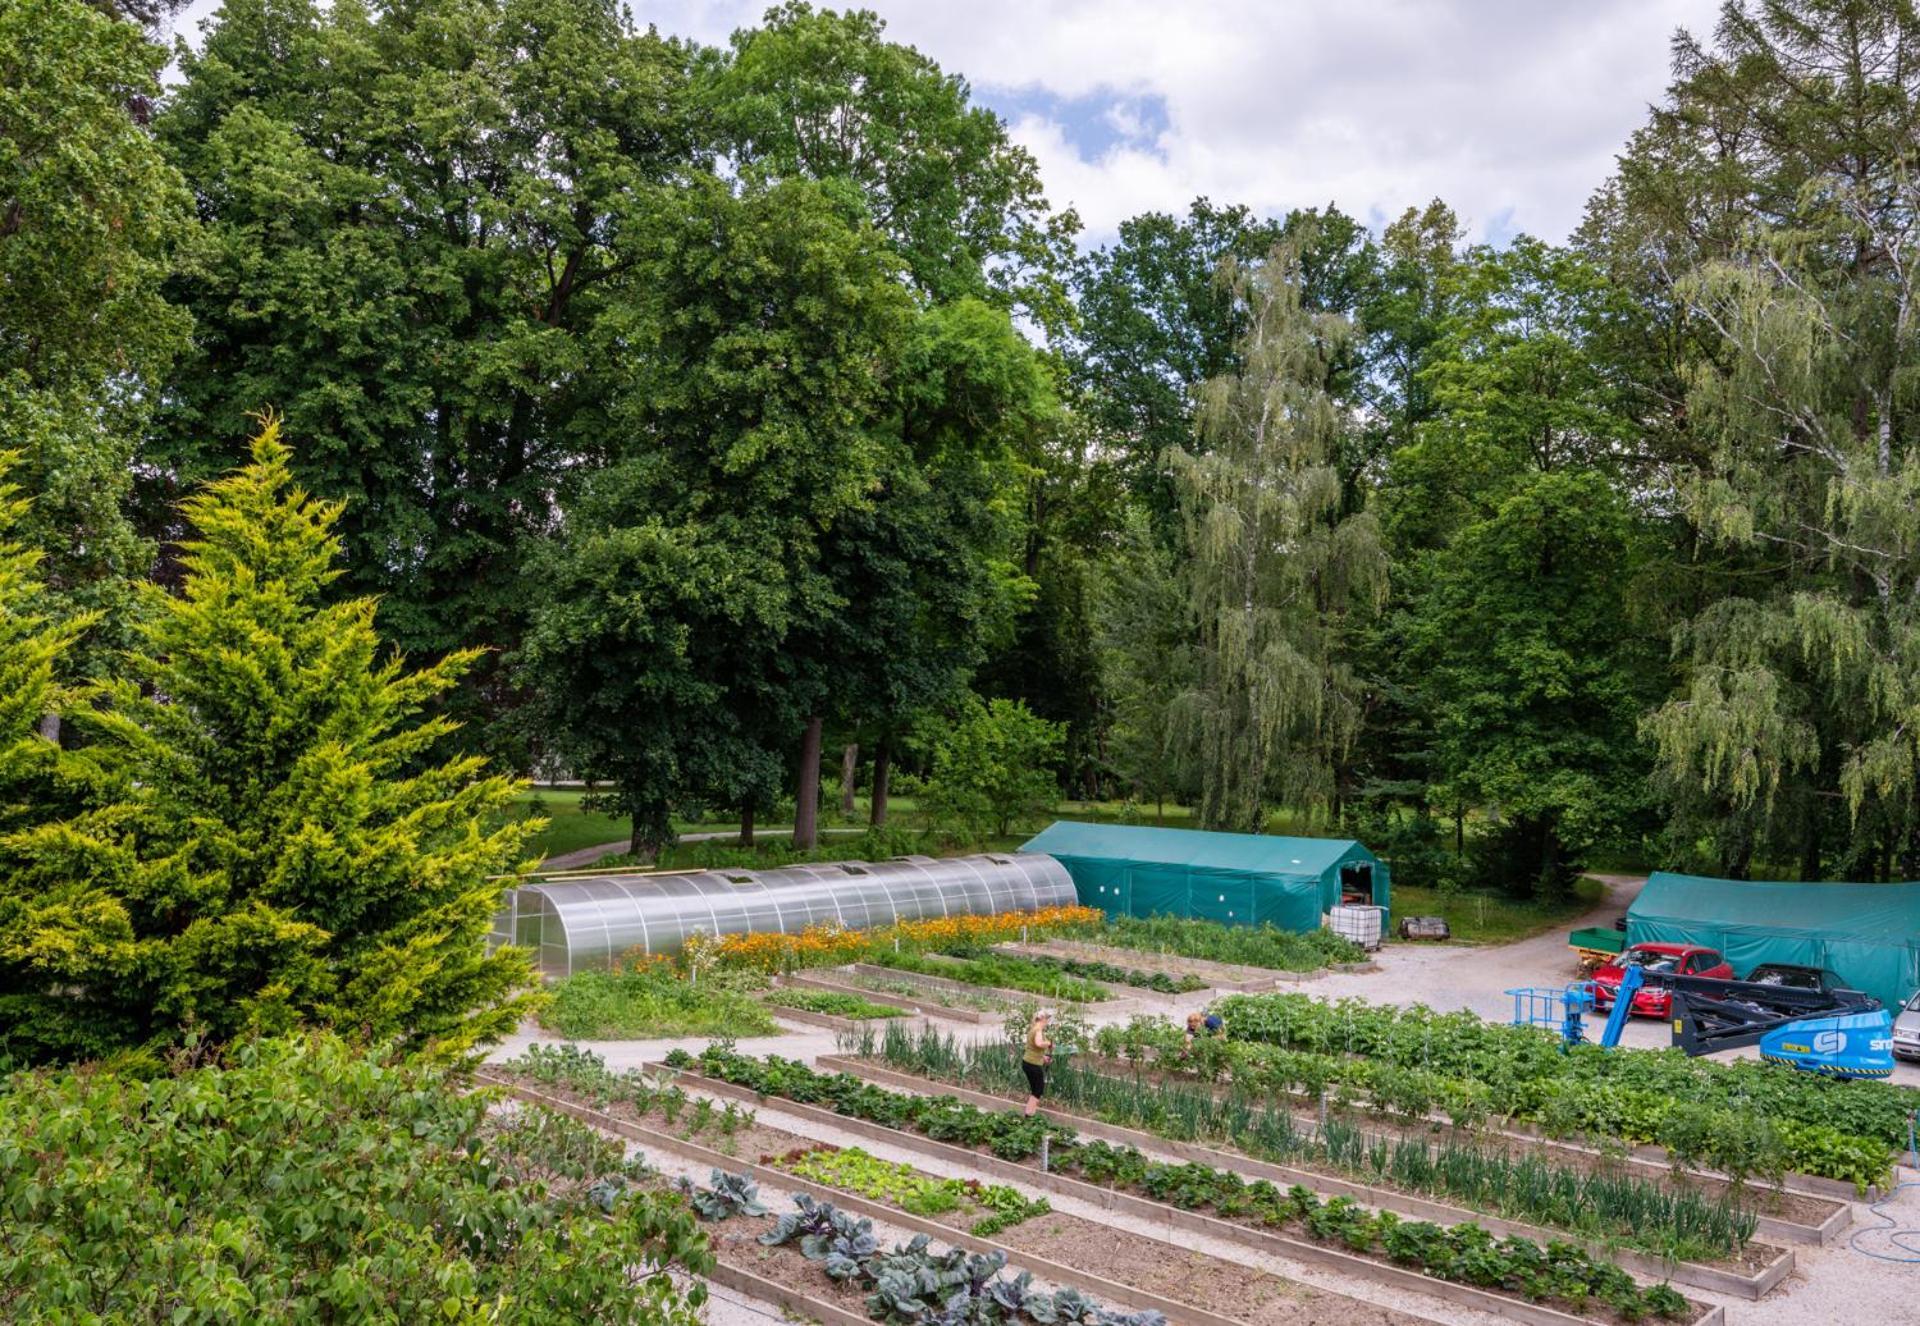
[(828, 943)]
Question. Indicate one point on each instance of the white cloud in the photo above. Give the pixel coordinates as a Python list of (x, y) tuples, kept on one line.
[(1511, 110)]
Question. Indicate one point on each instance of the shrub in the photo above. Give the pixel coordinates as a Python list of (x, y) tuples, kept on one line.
[(303, 1181)]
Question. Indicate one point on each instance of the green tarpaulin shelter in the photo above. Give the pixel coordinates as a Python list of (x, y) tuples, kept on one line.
[(1237, 878), (1866, 934)]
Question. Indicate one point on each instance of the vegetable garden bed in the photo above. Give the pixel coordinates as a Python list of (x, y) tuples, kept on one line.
[(1226, 976), (1744, 1117), (895, 986), (1757, 1271), (1784, 1216), (1510, 1278), (1012, 998), (1062, 1249), (1017, 976)]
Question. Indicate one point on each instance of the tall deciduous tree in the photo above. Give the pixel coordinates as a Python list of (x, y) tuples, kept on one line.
[(1273, 564), (757, 404), (89, 212), (276, 843), (1777, 189), (822, 95), (1536, 674), (417, 219)]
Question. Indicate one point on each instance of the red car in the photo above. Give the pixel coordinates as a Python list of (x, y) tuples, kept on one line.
[(1649, 1001)]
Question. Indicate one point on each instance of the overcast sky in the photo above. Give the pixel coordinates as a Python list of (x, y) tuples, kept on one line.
[(1511, 110)]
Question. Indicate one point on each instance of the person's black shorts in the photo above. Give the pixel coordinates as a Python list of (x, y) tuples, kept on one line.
[(1036, 1079)]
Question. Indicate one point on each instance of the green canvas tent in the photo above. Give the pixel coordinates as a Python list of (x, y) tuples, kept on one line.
[(1237, 878), (1866, 934)]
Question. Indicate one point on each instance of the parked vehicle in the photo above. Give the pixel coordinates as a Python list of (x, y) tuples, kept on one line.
[(1795, 975), (1677, 959), (1906, 1029)]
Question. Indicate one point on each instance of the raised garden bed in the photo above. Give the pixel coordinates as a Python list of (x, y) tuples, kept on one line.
[(1366, 1265), (1122, 996), (1758, 1271), (1218, 975), (1113, 1265), (923, 1002), (1119, 1003), (1806, 1210)]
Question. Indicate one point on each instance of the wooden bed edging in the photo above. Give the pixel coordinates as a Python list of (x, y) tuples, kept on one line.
[(1644, 1157), (1692, 1274), (927, 1009), (742, 1281), (1109, 1291), (951, 986), (1299, 1250)]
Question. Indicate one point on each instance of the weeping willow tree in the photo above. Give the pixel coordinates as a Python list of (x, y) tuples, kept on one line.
[(1272, 563), (1813, 680)]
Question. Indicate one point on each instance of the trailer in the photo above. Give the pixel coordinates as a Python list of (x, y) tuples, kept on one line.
[(1596, 946)]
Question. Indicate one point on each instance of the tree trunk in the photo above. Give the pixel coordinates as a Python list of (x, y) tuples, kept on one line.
[(849, 769), (806, 805), (746, 824), (882, 769), (50, 727)]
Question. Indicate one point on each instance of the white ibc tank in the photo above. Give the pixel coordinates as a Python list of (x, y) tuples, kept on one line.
[(1363, 925)]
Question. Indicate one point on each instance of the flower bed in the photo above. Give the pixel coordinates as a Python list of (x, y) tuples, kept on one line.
[(1463, 1253), (1743, 1118), (829, 945)]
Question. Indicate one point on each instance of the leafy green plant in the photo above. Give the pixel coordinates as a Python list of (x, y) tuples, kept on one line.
[(730, 1195), (1247, 945), (646, 998), (833, 1003), (1000, 972)]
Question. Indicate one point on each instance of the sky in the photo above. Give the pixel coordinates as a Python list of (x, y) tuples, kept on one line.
[(1510, 110)]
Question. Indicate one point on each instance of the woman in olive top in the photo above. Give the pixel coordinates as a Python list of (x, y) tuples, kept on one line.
[(1039, 1053)]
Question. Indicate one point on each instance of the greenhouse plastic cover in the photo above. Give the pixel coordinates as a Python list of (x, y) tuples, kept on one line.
[(1866, 934), (572, 924), (1235, 878)]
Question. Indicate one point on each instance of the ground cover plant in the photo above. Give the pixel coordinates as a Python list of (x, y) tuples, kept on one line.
[(834, 1003), (1466, 1253), (645, 996), (1744, 1117), (1605, 1205), (904, 1186), (998, 971), (254, 1188), (1248, 945)]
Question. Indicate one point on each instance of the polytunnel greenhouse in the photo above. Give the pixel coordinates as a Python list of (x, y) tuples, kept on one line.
[(572, 924)]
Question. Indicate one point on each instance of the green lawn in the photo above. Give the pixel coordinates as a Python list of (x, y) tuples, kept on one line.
[(1493, 918), (572, 828)]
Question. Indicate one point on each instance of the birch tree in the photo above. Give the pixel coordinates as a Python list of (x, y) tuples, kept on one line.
[(1273, 562)]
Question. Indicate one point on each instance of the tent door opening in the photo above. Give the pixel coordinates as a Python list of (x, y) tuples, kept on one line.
[(1356, 885)]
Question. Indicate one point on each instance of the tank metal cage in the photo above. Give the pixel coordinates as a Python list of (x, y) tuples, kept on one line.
[(580, 923)]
